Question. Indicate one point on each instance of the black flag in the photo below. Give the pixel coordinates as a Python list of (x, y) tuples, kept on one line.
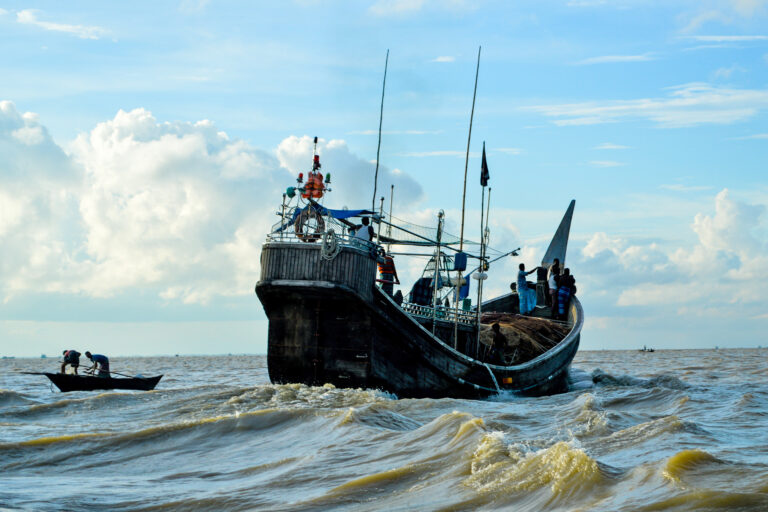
[(484, 175)]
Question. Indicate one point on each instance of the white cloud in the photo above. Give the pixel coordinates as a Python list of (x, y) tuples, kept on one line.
[(728, 12), (606, 163), (174, 209), (509, 151), (609, 145), (3, 11), (29, 17), (722, 270), (443, 58), (350, 173), (686, 105), (608, 59), (727, 72), (755, 136)]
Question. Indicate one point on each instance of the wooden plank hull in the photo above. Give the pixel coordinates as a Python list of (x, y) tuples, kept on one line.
[(70, 382), (347, 332)]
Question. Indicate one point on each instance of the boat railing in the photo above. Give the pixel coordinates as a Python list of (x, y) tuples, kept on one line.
[(440, 313), (342, 239)]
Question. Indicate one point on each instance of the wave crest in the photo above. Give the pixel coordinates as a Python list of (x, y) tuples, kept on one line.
[(561, 467)]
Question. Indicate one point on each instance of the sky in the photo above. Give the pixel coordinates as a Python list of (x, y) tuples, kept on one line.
[(144, 148)]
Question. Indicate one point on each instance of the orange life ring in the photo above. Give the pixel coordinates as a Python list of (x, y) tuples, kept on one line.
[(303, 219)]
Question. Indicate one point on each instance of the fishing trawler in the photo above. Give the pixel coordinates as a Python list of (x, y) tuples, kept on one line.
[(330, 321)]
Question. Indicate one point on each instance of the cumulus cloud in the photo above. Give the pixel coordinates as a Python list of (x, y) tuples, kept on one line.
[(724, 266), (174, 209)]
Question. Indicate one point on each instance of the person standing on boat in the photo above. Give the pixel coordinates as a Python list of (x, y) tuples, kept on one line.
[(554, 268), (98, 360), (71, 358), (388, 275), (527, 296), (364, 231), (553, 284), (566, 289)]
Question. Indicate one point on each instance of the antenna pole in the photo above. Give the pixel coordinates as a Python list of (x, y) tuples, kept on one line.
[(378, 148), (389, 226), (463, 202), (381, 216)]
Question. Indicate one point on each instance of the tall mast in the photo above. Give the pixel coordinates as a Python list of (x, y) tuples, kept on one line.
[(463, 203), (378, 148)]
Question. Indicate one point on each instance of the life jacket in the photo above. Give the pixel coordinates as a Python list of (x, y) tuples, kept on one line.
[(315, 187), (388, 267)]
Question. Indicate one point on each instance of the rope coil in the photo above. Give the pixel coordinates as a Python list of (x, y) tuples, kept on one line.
[(330, 247)]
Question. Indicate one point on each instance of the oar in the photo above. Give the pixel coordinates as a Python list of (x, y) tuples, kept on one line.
[(123, 375)]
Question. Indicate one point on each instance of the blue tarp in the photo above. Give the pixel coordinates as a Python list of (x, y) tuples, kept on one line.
[(322, 210)]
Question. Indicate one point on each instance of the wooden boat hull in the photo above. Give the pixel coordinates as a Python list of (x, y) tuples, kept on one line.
[(329, 323), (70, 382)]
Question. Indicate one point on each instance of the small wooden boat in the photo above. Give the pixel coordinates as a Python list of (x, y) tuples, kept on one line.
[(70, 382)]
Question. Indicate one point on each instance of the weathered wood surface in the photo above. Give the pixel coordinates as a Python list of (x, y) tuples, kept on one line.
[(352, 267)]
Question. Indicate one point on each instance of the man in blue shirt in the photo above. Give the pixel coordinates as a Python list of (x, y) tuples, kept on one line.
[(98, 360)]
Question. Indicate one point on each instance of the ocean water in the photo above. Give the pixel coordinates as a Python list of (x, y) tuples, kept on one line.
[(669, 430)]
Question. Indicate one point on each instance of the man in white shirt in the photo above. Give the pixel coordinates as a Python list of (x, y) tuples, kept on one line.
[(365, 231)]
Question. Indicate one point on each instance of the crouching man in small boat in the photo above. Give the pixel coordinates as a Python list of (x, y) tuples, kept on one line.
[(100, 361), (71, 358)]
